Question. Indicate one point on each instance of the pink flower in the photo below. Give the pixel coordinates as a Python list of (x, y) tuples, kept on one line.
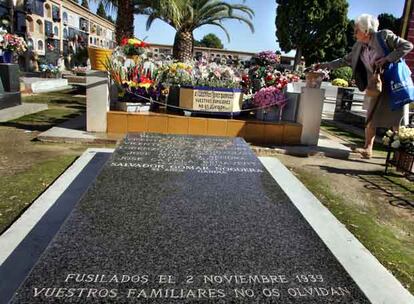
[(269, 96)]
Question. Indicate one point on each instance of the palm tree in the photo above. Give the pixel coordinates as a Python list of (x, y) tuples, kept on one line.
[(124, 25), (187, 15)]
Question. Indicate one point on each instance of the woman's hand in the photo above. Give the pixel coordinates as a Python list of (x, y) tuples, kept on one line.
[(380, 62)]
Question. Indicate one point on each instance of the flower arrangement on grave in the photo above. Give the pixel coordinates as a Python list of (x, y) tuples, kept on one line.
[(267, 58), (49, 70), (402, 139), (268, 101), (215, 75), (13, 43), (268, 97), (174, 73), (136, 82), (133, 46), (401, 146)]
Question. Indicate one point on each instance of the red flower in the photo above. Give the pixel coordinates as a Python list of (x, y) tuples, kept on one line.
[(144, 44), (144, 79), (124, 41)]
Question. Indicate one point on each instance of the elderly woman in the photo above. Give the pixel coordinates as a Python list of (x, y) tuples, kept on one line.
[(365, 56)]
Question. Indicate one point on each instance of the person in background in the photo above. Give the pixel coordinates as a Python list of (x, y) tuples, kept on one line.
[(365, 56), (61, 62)]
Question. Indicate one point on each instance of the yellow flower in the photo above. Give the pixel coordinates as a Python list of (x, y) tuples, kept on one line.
[(134, 41), (144, 85), (181, 65)]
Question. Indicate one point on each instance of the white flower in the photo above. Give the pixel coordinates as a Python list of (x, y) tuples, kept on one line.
[(389, 133), (386, 140), (395, 144)]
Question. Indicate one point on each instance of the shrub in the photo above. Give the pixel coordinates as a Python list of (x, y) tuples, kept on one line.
[(343, 73)]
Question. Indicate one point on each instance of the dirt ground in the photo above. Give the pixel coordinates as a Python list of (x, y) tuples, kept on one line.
[(19, 150), (358, 180)]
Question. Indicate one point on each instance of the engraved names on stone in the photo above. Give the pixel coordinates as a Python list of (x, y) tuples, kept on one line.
[(186, 219), (181, 154), (234, 286)]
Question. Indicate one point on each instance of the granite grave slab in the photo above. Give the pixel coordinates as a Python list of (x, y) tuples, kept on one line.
[(186, 219)]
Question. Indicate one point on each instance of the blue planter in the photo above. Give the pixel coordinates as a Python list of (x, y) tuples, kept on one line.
[(7, 56)]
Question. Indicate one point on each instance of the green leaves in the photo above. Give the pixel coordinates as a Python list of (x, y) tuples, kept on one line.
[(188, 15), (313, 26)]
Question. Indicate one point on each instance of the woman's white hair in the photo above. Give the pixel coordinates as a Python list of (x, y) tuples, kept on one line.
[(367, 23)]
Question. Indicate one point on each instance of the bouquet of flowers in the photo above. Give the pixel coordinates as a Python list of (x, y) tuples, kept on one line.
[(401, 139), (215, 75), (14, 43), (267, 58), (269, 96), (133, 46), (175, 73), (135, 82), (50, 68)]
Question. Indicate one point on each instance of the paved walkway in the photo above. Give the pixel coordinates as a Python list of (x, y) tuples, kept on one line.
[(74, 130), (21, 110)]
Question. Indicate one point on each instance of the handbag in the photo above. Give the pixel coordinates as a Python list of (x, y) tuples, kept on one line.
[(397, 80), (374, 87)]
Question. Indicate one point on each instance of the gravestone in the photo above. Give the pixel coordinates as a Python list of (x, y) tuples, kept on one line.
[(186, 219), (9, 74), (10, 85)]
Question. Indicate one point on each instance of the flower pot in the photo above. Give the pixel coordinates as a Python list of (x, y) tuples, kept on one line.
[(98, 57), (314, 80), (268, 114), (7, 56), (404, 161)]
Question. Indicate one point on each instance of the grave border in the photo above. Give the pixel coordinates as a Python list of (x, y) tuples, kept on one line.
[(375, 281)]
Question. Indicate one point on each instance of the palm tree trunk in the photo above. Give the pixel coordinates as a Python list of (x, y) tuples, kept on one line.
[(125, 20), (183, 46)]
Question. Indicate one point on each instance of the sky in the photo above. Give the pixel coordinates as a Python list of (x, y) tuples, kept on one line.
[(264, 38)]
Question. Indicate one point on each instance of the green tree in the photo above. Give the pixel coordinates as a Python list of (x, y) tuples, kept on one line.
[(211, 41), (310, 26), (389, 22), (101, 10), (85, 3), (341, 47), (350, 36), (187, 15)]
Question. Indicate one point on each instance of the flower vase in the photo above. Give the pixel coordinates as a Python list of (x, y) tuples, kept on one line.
[(7, 56), (268, 114), (404, 161)]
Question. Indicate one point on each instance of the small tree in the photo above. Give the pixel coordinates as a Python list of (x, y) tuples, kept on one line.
[(101, 10), (85, 3), (211, 41)]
